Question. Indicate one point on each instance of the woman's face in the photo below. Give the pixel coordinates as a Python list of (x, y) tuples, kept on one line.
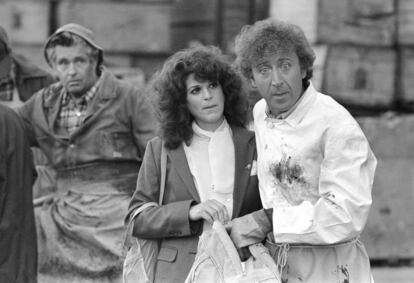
[(205, 100)]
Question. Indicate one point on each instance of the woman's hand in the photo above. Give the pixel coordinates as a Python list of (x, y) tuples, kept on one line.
[(210, 211)]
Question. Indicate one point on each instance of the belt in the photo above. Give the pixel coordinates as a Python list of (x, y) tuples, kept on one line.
[(98, 171), (282, 249)]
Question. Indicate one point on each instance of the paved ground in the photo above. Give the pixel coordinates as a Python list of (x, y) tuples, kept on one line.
[(393, 274), (381, 275)]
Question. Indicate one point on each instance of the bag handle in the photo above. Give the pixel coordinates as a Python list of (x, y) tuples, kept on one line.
[(130, 227), (228, 245), (163, 173), (258, 251)]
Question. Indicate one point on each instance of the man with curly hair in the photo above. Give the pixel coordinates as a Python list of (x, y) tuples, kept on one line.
[(315, 166)]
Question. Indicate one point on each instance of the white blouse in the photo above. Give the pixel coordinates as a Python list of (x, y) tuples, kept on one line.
[(211, 159)]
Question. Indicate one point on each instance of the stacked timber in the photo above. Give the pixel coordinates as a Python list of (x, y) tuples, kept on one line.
[(27, 25), (360, 68), (388, 235)]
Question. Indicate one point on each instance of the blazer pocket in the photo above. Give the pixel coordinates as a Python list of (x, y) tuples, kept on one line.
[(168, 254)]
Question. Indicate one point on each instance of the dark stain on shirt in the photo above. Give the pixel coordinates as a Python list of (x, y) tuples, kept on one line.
[(286, 171), (344, 272)]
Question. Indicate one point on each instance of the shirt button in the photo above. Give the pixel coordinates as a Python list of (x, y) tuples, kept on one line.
[(78, 114)]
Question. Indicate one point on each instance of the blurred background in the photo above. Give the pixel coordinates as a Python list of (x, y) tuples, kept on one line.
[(365, 60)]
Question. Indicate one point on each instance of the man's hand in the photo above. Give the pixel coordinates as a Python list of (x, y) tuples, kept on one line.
[(250, 229)]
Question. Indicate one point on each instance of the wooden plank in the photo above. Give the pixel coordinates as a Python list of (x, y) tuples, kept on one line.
[(361, 76), (390, 227), (193, 11), (121, 26), (193, 21), (403, 274), (319, 64), (186, 35), (235, 16), (406, 22), (406, 78), (26, 22), (300, 12), (368, 22)]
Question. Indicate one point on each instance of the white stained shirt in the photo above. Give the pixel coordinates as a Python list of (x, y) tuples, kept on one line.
[(211, 161), (315, 169)]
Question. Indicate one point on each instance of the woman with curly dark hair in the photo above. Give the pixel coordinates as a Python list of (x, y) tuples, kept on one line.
[(211, 167)]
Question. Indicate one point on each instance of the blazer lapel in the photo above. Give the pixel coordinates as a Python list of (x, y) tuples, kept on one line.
[(244, 156), (51, 104), (179, 161), (106, 91)]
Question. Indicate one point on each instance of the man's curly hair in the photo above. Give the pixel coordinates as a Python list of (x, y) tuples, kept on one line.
[(168, 86), (268, 37)]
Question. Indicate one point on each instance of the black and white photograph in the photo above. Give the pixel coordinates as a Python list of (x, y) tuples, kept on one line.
[(206, 141)]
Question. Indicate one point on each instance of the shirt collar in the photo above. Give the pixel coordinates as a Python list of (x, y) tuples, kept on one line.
[(86, 97), (295, 115), (203, 133)]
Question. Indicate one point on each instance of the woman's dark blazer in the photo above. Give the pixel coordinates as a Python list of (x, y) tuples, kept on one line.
[(170, 221)]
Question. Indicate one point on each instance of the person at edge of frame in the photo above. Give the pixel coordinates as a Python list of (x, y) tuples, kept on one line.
[(18, 256)]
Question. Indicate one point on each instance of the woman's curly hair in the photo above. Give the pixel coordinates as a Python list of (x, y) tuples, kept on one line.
[(168, 86), (267, 37)]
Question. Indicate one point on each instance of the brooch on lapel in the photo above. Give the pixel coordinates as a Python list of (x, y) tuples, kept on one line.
[(252, 167)]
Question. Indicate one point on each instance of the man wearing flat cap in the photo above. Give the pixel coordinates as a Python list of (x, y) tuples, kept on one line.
[(93, 129)]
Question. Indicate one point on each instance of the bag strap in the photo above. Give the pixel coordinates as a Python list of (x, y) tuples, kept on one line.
[(130, 227), (163, 173)]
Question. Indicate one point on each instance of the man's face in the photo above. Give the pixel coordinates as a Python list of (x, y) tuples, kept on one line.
[(76, 70), (278, 78)]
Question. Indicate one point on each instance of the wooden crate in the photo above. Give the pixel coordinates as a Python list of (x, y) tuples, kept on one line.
[(406, 22), (368, 22), (303, 13), (211, 22), (361, 76), (406, 78), (193, 21), (26, 22), (390, 228), (121, 26), (235, 16)]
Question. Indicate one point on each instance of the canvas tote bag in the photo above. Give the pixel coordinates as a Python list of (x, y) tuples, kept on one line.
[(217, 260), (141, 258)]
